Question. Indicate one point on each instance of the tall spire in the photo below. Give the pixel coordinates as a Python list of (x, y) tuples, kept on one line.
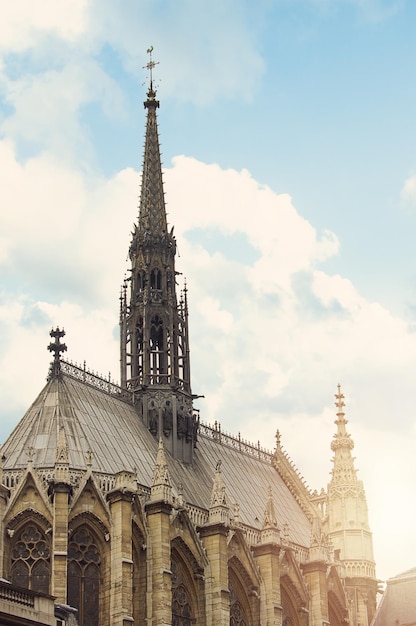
[(154, 349), (152, 216), (347, 524)]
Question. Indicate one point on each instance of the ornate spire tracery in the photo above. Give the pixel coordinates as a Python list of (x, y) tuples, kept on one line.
[(154, 349), (343, 471)]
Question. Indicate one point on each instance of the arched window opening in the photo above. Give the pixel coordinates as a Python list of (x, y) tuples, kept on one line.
[(156, 279), (237, 614), (290, 614), (157, 365), (337, 612), (138, 366), (84, 577), (31, 560), (241, 604), (182, 610), (141, 281)]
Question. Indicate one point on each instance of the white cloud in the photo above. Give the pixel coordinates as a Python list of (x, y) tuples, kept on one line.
[(47, 107), (24, 23), (408, 193)]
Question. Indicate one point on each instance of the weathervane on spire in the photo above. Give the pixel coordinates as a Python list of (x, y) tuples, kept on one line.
[(150, 65)]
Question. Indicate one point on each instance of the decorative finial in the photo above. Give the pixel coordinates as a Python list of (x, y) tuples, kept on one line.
[(339, 400), (343, 462), (218, 510), (56, 347), (185, 294), (161, 489), (270, 520), (277, 439), (30, 454), (150, 66)]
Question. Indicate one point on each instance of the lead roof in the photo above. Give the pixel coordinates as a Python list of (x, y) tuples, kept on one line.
[(106, 428)]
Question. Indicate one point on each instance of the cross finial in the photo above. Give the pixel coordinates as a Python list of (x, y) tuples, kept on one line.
[(56, 347), (150, 65)]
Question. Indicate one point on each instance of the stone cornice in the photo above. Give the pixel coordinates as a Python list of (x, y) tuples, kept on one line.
[(213, 529), (161, 506)]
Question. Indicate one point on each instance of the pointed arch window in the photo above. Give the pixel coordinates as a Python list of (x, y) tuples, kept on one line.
[(156, 279), (289, 604), (31, 566), (239, 582), (138, 366), (237, 614), (182, 613), (157, 365), (140, 281), (84, 577)]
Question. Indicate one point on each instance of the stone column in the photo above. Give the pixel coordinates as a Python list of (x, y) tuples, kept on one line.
[(158, 518), (158, 510), (315, 575), (121, 594), (214, 539), (267, 558), (61, 492)]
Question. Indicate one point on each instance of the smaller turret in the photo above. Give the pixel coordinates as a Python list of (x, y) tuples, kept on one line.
[(347, 524)]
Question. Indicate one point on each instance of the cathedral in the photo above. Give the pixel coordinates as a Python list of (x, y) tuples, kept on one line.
[(121, 507)]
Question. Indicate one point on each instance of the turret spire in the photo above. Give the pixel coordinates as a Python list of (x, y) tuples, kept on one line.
[(154, 350), (344, 471), (270, 532), (347, 524)]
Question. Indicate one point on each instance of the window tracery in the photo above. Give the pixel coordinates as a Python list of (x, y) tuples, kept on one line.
[(84, 577), (182, 613), (30, 558), (237, 615)]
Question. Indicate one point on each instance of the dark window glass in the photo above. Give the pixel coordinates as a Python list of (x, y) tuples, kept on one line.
[(237, 617), (20, 574), (30, 561), (84, 577), (182, 614)]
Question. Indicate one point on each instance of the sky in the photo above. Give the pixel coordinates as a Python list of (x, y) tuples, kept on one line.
[(288, 133)]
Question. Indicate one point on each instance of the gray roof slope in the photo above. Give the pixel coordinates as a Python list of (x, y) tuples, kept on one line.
[(111, 429), (398, 604)]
